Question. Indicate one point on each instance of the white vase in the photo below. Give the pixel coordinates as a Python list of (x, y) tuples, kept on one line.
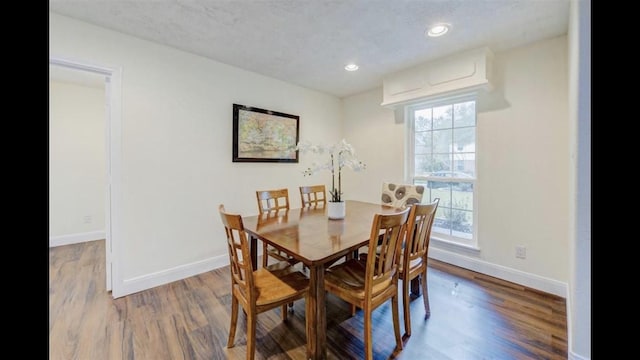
[(336, 210)]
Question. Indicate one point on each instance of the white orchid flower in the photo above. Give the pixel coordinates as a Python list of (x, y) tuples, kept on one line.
[(341, 154)]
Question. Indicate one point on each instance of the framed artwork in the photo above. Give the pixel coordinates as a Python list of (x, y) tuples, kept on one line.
[(261, 135)]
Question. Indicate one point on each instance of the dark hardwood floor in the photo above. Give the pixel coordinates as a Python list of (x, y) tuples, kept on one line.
[(473, 316)]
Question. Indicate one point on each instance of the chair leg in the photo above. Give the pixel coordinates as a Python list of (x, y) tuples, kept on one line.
[(368, 346), (234, 322), (425, 294), (353, 310), (396, 321), (251, 336), (406, 298)]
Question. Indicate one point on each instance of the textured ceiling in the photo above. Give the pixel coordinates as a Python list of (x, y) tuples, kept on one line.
[(308, 42)]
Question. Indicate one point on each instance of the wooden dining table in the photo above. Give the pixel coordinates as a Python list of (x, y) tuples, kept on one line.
[(310, 237)]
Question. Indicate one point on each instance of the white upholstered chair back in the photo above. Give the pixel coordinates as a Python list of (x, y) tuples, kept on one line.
[(401, 195)]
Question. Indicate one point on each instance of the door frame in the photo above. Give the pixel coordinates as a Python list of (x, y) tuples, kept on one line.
[(113, 141)]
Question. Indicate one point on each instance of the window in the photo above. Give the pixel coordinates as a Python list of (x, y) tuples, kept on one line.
[(442, 156)]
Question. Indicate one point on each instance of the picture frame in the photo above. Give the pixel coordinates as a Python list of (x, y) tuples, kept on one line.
[(261, 135)]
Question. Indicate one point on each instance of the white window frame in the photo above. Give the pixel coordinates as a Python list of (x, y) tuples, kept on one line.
[(471, 243)]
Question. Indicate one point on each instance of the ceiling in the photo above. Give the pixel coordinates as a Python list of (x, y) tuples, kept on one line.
[(308, 42)]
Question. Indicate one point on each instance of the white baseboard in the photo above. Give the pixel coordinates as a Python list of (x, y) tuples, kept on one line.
[(574, 356), (163, 277), (76, 238), (501, 272), (148, 281)]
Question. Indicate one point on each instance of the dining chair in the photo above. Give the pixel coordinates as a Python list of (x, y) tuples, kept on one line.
[(396, 195), (273, 202), (313, 196), (414, 255), (370, 283), (258, 290)]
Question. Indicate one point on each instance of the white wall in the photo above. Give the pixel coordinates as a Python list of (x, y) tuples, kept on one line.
[(76, 161), (522, 166), (378, 142), (176, 149)]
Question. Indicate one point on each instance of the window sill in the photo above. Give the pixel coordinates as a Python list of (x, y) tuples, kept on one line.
[(455, 246)]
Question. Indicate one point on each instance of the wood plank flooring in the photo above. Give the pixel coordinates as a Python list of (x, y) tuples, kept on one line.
[(473, 316)]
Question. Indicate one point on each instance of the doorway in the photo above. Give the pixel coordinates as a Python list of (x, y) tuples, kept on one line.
[(81, 71)]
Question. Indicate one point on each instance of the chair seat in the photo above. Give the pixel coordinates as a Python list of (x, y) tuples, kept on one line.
[(349, 278), (275, 286), (413, 265)]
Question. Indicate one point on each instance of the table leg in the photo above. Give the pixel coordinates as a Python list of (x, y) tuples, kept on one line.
[(316, 315), (254, 252)]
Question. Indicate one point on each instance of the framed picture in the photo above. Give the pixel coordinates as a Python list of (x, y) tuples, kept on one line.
[(261, 135)]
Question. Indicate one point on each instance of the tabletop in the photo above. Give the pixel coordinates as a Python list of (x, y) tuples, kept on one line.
[(310, 236)]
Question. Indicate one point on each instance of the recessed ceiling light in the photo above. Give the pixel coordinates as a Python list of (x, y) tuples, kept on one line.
[(438, 30), (351, 67)]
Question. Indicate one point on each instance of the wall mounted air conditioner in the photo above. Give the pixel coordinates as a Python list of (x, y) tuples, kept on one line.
[(466, 71)]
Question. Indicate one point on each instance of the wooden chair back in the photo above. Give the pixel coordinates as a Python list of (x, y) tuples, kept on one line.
[(313, 196), (239, 254), (421, 217), (415, 254), (272, 200), (387, 235)]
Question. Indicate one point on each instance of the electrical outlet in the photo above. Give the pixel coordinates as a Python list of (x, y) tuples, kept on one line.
[(521, 252), (87, 219)]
